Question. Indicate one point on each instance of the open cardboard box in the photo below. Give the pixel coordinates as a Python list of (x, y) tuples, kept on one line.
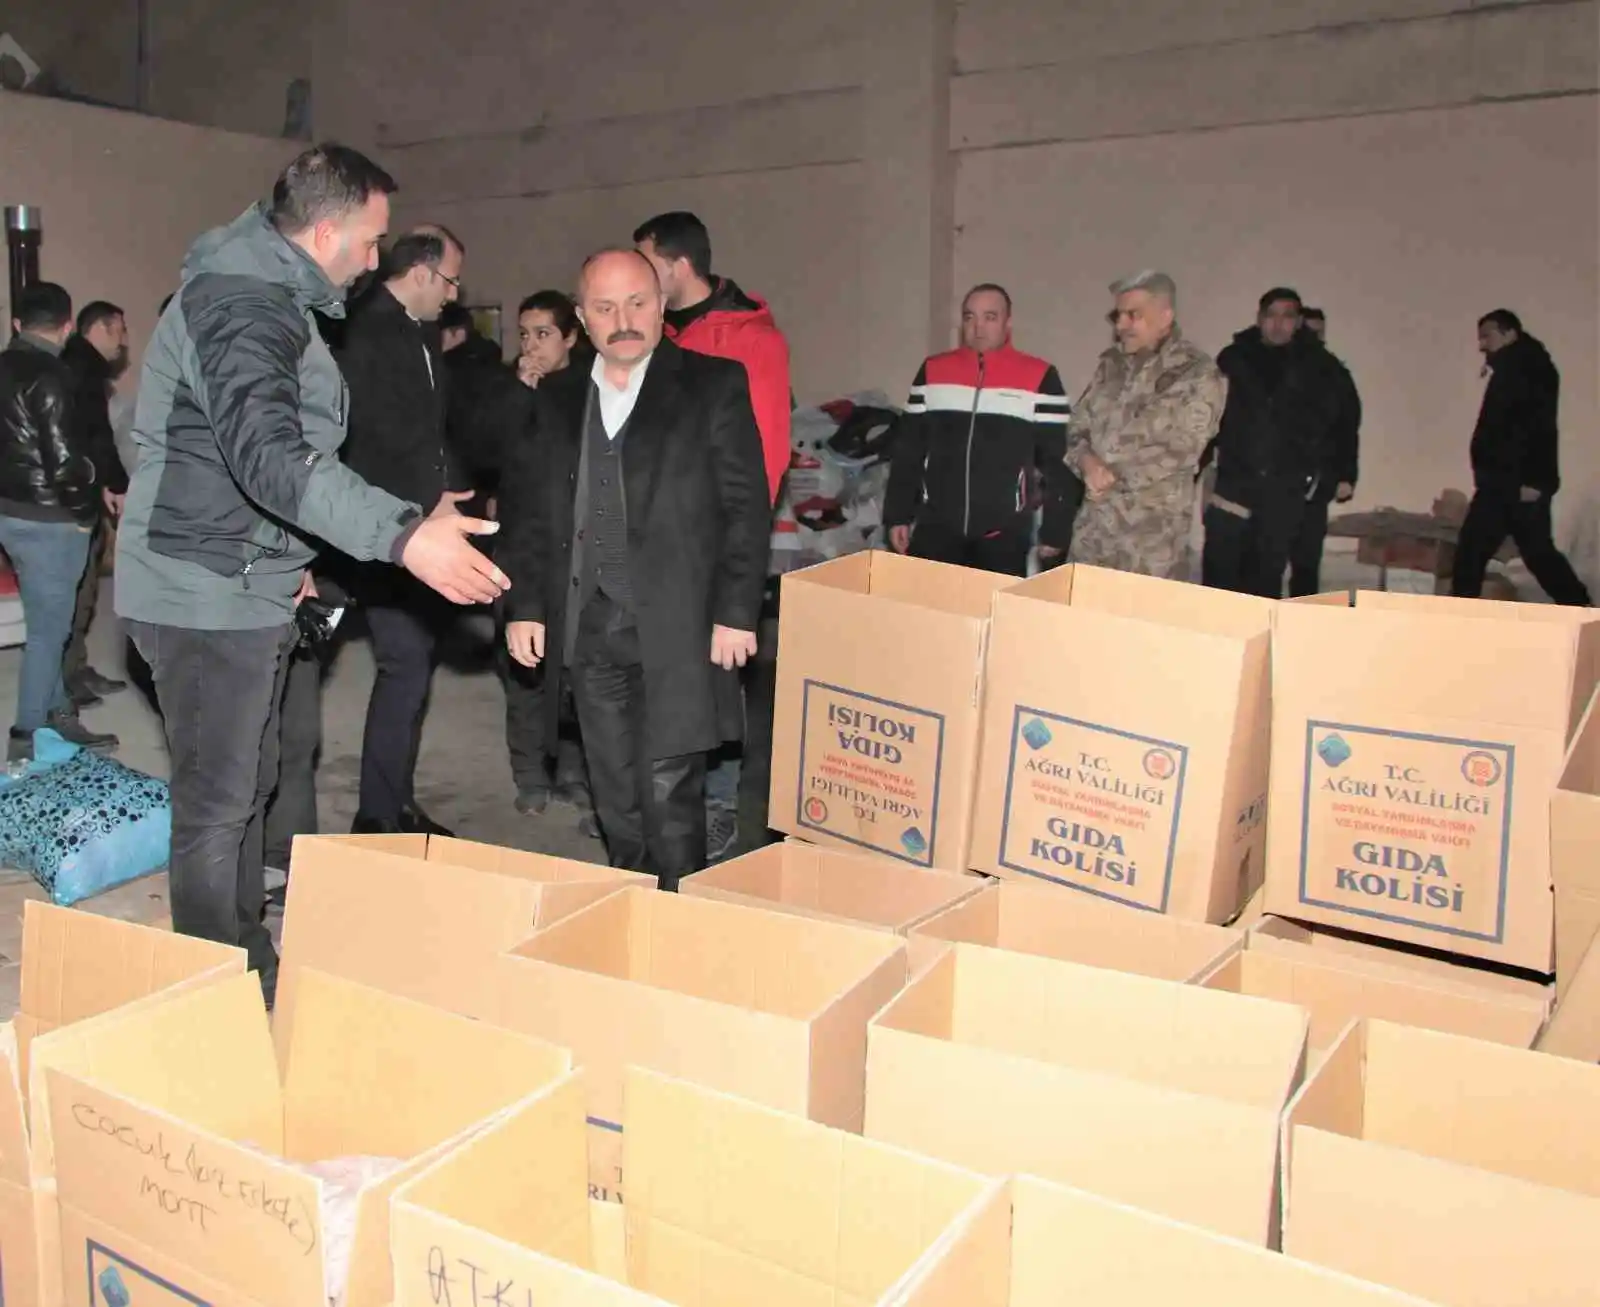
[(1417, 742), (75, 965), (1459, 1170), (831, 885), (1037, 1244), (176, 1144), (1334, 996), (423, 917), (1574, 1030), (728, 1203), (1106, 767), (1049, 922), (875, 727), (1147, 1091), (768, 1005)]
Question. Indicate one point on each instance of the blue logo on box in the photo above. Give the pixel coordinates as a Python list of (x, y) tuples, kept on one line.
[(1333, 750), (914, 842), (1036, 733), (112, 1289)]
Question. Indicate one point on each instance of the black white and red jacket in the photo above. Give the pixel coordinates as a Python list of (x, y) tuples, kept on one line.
[(975, 428)]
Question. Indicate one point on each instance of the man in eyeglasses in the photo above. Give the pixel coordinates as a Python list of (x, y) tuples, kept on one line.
[(392, 360)]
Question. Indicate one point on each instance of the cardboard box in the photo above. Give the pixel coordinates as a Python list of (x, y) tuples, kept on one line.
[(1004, 1062), (422, 917), (1125, 740), (1417, 741), (875, 727), (1463, 1171), (169, 1125), (1574, 836), (1331, 946), (728, 1203), (767, 1005), (831, 885), (1038, 1244), (1334, 996), (75, 965), (1028, 917)]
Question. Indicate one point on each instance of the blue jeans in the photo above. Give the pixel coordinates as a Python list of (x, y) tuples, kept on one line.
[(49, 559)]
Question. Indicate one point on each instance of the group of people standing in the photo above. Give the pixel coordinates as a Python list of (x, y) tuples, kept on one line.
[(1266, 437)]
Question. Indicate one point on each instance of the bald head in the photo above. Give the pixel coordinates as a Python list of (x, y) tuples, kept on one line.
[(620, 302)]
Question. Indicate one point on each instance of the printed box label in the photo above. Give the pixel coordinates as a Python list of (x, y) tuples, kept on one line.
[(869, 772), (1092, 807), (1407, 828)]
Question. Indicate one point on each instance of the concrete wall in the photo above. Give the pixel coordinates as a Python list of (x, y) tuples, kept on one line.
[(124, 195)]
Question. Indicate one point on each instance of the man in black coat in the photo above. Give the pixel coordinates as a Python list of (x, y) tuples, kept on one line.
[(1288, 402), (636, 529), (1515, 469), (391, 360)]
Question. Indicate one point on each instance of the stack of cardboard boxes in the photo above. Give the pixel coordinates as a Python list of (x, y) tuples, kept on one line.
[(848, 1069)]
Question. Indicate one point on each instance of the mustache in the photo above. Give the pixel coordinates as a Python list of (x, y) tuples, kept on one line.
[(615, 336)]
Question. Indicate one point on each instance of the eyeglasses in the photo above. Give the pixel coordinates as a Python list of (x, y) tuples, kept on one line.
[(454, 281)]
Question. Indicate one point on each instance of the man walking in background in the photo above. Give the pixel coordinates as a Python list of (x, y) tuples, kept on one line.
[(240, 416), (48, 503), (398, 441), (712, 315), (636, 531), (1515, 465), (1136, 436), (96, 355), (981, 419)]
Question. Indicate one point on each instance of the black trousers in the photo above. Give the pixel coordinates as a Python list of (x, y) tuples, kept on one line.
[(652, 811), (1006, 552), (1250, 554), (1305, 551), (76, 659), (403, 637), (1494, 515), (293, 808), (219, 693), (527, 728)]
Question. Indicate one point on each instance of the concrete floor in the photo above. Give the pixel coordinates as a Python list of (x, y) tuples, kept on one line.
[(463, 776)]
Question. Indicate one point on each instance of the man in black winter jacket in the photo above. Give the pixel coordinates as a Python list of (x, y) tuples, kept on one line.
[(1515, 470), (1289, 402), (48, 501), (398, 442)]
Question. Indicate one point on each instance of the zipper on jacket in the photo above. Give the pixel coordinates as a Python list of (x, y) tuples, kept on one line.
[(972, 425)]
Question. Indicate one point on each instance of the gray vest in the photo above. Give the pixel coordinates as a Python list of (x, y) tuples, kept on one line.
[(600, 524)]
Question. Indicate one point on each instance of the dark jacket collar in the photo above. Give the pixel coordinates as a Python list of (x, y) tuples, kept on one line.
[(27, 340)]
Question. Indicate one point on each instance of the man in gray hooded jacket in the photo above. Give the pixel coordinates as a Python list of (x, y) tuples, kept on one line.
[(240, 415)]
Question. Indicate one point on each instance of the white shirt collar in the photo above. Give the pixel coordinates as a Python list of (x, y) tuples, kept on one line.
[(616, 406)]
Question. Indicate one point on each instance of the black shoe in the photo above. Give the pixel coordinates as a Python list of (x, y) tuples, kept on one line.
[(365, 825), (20, 746), (589, 824), (414, 821), (73, 731), (94, 684)]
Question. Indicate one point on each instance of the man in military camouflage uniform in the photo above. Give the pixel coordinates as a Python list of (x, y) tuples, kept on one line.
[(1136, 435)]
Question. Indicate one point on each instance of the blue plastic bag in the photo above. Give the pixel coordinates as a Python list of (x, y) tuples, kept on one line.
[(80, 824)]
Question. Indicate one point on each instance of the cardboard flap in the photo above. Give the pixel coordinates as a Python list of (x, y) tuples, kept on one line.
[(1176, 604), (13, 1123), (728, 1201), (78, 964), (1240, 1049), (1072, 1247), (352, 1048), (203, 1056)]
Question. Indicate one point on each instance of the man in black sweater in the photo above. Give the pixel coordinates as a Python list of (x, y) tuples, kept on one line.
[(1515, 470), (391, 359)]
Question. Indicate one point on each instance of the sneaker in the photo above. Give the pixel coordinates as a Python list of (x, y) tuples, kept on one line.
[(73, 731), (722, 829)]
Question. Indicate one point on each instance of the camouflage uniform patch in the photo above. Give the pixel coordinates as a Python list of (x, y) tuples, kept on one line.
[(1148, 418)]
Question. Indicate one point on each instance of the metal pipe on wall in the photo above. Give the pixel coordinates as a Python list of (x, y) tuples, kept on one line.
[(24, 234)]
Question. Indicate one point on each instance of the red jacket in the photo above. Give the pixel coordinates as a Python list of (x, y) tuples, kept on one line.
[(734, 325)]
